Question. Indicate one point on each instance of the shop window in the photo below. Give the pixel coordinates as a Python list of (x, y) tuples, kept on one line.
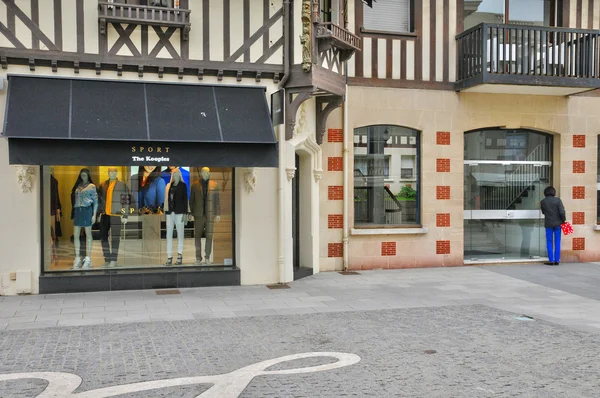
[(127, 217), (389, 16), (386, 176)]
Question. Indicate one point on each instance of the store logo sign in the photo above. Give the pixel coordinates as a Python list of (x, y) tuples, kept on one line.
[(227, 385), (150, 150)]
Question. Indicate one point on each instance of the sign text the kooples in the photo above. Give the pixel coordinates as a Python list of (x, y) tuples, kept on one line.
[(150, 149)]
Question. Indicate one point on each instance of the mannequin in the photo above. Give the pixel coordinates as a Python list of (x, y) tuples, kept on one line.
[(151, 189), (176, 207), (55, 209), (113, 208), (84, 199), (205, 207), (185, 176)]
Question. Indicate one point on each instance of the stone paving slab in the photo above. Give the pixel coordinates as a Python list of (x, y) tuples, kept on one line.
[(552, 293), (476, 351)]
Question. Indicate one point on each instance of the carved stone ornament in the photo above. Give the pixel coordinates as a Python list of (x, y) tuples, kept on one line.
[(318, 175), (299, 126), (25, 176), (250, 180), (305, 37), (291, 172)]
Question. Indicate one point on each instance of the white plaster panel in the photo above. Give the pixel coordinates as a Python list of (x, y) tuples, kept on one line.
[(367, 71), (90, 28), (22, 32), (69, 25), (216, 31), (236, 25), (46, 21), (425, 39), (296, 30), (573, 15), (196, 38), (381, 58), (256, 21), (452, 44), (439, 41), (396, 60), (4, 42), (410, 60), (584, 15), (596, 23)]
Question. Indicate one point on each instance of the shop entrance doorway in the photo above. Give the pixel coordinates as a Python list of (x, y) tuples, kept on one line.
[(505, 174)]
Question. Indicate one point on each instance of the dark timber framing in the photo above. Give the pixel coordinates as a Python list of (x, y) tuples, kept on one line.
[(129, 24)]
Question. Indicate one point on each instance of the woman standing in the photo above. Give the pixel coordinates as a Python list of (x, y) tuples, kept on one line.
[(554, 213)]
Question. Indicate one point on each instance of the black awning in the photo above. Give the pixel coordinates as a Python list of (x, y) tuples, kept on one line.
[(49, 120)]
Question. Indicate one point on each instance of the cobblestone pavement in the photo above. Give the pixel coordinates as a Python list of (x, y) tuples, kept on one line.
[(418, 333), (456, 351)]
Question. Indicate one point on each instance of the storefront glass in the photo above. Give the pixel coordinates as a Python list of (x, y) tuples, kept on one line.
[(104, 217), (386, 176)]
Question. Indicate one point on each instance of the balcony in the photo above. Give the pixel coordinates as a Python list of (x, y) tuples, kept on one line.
[(330, 34), (143, 15), (496, 58)]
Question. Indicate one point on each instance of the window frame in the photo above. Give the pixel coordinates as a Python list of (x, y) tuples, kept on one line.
[(416, 183), (375, 32)]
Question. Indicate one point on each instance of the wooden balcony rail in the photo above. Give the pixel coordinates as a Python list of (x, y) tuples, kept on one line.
[(340, 36), (529, 55), (146, 15)]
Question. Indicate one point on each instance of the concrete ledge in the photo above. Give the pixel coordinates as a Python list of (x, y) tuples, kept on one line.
[(389, 231), (596, 227)]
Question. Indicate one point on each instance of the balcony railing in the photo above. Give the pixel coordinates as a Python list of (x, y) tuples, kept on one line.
[(528, 55), (340, 36), (145, 15)]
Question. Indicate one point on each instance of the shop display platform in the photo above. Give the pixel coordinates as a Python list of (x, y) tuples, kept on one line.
[(111, 279)]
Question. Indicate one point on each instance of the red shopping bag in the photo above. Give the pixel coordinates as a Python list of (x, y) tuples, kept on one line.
[(567, 228)]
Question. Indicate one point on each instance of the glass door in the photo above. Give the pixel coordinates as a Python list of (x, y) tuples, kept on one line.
[(502, 216)]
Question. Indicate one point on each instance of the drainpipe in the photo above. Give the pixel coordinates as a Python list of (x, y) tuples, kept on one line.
[(286, 43), (346, 176)]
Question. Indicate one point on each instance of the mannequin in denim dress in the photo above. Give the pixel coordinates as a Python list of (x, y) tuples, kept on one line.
[(85, 207)]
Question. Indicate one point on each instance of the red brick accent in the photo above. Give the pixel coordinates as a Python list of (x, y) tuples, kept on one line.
[(442, 165), (442, 220), (578, 218), (388, 248), (579, 166), (578, 192), (443, 138), (335, 250), (335, 192), (335, 221), (442, 193), (578, 243), (335, 164), (579, 141), (442, 247), (335, 135)]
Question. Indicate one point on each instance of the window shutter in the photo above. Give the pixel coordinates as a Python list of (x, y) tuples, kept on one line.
[(388, 16)]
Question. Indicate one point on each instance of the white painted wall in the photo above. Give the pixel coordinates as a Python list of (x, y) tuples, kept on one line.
[(256, 228)]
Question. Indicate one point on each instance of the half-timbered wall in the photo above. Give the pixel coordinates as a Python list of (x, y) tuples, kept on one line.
[(225, 35), (426, 58)]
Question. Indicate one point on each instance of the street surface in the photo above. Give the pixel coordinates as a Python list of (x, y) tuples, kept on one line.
[(497, 331)]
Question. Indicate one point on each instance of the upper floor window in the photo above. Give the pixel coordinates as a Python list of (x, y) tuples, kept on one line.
[(514, 12), (389, 16), (386, 176)]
